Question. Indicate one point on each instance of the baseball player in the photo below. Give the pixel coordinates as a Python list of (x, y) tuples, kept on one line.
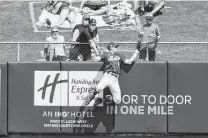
[(54, 50), (150, 35), (112, 60)]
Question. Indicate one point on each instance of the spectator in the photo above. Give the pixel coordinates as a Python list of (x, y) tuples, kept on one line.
[(64, 10), (87, 32), (54, 51), (151, 6), (94, 7), (150, 35)]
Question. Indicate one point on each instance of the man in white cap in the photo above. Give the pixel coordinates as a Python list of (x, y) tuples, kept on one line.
[(150, 35)]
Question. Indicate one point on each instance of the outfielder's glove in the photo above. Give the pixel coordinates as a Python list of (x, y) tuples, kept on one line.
[(139, 45)]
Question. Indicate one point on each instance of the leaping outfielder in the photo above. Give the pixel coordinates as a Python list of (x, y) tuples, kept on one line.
[(112, 60)]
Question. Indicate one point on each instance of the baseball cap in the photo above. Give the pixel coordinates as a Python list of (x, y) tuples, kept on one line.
[(149, 16), (86, 17), (93, 22), (112, 44), (54, 29)]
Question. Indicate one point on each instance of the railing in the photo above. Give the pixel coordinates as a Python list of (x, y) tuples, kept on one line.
[(166, 51)]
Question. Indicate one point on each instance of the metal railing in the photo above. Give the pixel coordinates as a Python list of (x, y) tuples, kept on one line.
[(166, 51)]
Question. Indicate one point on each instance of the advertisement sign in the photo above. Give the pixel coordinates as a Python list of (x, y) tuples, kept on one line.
[(65, 88), (31, 98), (190, 113)]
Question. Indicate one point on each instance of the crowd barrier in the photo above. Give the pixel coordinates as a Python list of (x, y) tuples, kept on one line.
[(166, 51), (159, 99)]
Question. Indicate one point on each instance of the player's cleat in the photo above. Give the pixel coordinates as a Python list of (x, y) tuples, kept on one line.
[(109, 99), (98, 101), (89, 98)]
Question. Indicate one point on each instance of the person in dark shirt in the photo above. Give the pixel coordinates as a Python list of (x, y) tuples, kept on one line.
[(84, 33), (112, 60)]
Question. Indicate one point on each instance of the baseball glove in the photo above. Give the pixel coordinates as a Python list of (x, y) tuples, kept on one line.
[(139, 45)]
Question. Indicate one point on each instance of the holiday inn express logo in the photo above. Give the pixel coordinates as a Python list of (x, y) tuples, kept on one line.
[(64, 88), (53, 85)]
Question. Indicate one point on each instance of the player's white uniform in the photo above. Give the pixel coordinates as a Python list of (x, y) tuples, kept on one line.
[(111, 75), (58, 48)]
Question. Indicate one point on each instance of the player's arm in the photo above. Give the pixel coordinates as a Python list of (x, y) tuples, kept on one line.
[(102, 57), (132, 59), (134, 56)]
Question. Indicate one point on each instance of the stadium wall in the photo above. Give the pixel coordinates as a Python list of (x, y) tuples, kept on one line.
[(160, 99)]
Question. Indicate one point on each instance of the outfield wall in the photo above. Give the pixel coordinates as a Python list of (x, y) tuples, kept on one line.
[(161, 99)]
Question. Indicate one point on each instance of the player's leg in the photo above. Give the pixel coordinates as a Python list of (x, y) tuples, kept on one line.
[(100, 87), (115, 90), (105, 82)]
